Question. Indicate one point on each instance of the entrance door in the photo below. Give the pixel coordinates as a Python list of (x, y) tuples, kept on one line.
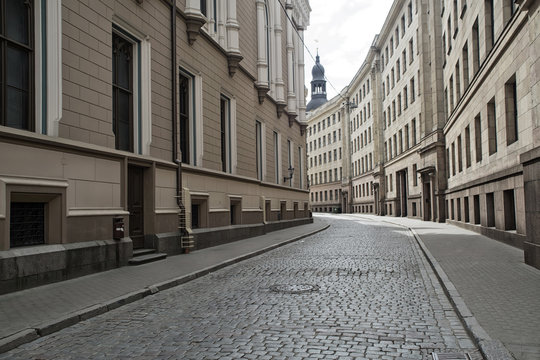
[(136, 205), (403, 192), (427, 200)]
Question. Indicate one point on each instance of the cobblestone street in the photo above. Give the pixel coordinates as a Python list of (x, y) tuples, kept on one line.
[(361, 289)]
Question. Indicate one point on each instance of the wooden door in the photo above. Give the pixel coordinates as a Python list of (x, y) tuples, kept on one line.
[(136, 205)]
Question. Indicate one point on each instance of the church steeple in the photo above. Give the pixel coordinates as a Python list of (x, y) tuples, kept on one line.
[(318, 85)]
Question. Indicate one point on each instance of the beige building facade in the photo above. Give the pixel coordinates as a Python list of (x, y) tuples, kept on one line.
[(182, 121), (455, 112)]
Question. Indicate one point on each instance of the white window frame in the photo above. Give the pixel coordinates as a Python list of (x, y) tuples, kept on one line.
[(142, 91), (196, 146)]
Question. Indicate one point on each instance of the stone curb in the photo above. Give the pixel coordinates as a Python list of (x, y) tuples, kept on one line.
[(491, 349), (25, 336)]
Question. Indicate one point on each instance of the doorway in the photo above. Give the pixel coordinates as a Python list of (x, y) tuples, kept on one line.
[(427, 200), (136, 205)]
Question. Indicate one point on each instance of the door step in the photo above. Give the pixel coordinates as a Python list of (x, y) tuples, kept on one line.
[(143, 256)]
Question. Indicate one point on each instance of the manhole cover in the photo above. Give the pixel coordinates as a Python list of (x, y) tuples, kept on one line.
[(294, 288)]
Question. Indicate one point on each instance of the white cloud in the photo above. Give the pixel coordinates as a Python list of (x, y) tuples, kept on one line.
[(343, 31)]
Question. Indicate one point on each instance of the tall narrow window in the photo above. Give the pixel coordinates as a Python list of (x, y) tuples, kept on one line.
[(122, 93), (489, 31), (478, 137), (510, 100), (468, 146), (465, 59), (276, 156), (225, 134), (258, 150), (475, 47), (301, 168), (184, 118), (492, 126), (413, 128), (460, 153), (17, 59), (290, 160), (458, 83), (453, 159)]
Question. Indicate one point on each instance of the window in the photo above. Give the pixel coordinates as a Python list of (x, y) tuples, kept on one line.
[(184, 109), (475, 47), (510, 100), (465, 60), (415, 176), (412, 90), (459, 154), (398, 70), (453, 159), (130, 94), (290, 158), (404, 60), (451, 93), (413, 127), (468, 146), (405, 98), (122, 92), (411, 51), (259, 150), (277, 157), (458, 83), (489, 31), (225, 133), (409, 12), (17, 74), (492, 127), (478, 137), (407, 145)]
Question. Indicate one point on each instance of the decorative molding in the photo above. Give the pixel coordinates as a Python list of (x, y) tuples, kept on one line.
[(303, 128), (262, 90), (233, 60), (194, 23)]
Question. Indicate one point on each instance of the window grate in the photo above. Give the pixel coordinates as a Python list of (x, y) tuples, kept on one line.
[(27, 224), (451, 356)]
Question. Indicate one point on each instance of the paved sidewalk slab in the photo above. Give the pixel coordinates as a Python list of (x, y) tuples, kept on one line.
[(26, 314), (500, 290)]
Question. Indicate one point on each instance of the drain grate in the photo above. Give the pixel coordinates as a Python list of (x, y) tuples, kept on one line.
[(451, 356), (294, 288)]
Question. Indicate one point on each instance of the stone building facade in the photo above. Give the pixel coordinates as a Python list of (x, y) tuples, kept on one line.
[(455, 111), (181, 119)]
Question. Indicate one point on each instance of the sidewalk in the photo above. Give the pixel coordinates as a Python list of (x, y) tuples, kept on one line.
[(28, 314), (501, 292)]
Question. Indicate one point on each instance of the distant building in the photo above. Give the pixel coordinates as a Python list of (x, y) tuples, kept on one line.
[(441, 121), (185, 122)]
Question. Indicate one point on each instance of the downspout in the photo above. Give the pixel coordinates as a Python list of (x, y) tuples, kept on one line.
[(175, 158)]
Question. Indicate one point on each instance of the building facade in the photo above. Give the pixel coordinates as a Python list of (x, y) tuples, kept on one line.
[(178, 119), (454, 106)]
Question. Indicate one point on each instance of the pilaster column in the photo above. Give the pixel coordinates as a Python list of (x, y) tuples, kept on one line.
[(291, 96)]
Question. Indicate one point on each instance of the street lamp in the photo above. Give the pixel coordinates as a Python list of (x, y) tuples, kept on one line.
[(291, 172)]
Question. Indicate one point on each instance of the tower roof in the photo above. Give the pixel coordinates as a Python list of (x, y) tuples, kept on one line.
[(317, 72)]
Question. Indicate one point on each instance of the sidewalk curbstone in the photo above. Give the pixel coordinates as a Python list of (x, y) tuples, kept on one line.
[(490, 349), (17, 339), (56, 325), (92, 311)]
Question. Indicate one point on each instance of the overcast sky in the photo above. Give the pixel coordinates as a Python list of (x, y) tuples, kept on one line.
[(343, 31)]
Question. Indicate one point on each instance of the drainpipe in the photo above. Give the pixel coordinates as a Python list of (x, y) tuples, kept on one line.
[(175, 157)]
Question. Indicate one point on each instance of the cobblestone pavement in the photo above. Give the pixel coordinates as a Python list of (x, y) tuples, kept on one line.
[(373, 297)]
